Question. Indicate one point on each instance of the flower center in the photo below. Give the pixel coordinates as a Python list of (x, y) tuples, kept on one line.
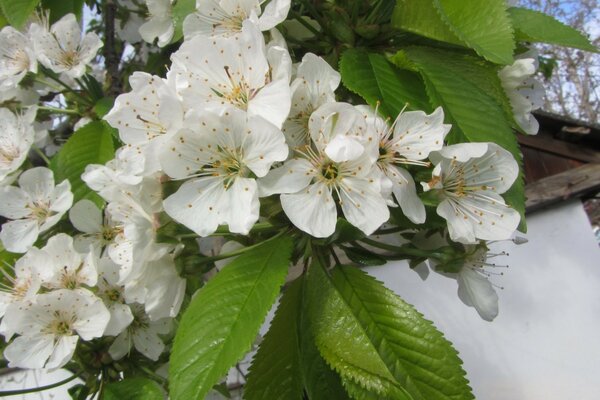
[(40, 211), (69, 58), (61, 325), (8, 153), (330, 171)]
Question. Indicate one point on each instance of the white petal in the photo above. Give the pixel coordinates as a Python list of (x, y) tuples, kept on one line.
[(406, 194), (416, 134), (148, 343), (92, 317), (199, 204), (460, 152), (14, 202), (272, 102), (344, 148), (475, 290), (292, 177), (312, 210), (18, 236), (120, 318), (243, 205), (29, 351), (263, 145), (275, 13), (38, 182), (86, 216), (64, 348), (363, 206), (121, 346)]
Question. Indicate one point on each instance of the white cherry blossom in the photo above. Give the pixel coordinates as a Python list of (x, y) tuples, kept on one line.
[(313, 86), (143, 334), (111, 292), (525, 92), (62, 49), (147, 116), (340, 163), (222, 153), (159, 24), (50, 328), (409, 140), (25, 284), (32, 208), (67, 268), (16, 137), (469, 178), (224, 18), (17, 57), (217, 73)]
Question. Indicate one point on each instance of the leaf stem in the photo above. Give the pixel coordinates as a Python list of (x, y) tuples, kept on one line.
[(399, 250), (240, 251), (57, 110), (303, 22), (40, 153), (38, 389)]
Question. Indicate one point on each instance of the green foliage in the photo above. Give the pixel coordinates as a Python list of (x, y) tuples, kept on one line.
[(275, 369), (377, 342), (181, 9), (534, 26), (60, 8), (222, 320), (483, 26), (136, 388), (473, 101), (91, 144), (17, 12), (422, 18), (375, 79)]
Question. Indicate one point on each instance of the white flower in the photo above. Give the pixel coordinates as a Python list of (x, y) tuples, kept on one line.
[(222, 153), (409, 140), (28, 275), (341, 162), (67, 268), (469, 178), (16, 57), (98, 231), (16, 137), (213, 74), (111, 292), (62, 49), (147, 116), (159, 24), (34, 207), (51, 326), (314, 85), (214, 18), (144, 335), (128, 29), (155, 283), (526, 94)]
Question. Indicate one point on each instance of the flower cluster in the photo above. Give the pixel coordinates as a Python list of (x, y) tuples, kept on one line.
[(233, 128)]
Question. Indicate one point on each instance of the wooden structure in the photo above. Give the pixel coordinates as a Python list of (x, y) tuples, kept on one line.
[(562, 161)]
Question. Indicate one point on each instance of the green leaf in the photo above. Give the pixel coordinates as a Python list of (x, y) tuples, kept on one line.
[(377, 341), (222, 320), (363, 257), (18, 11), (320, 381), (422, 18), (275, 368), (60, 8), (375, 79), (133, 389), (483, 25), (473, 102), (534, 26), (91, 144), (181, 9), (103, 106)]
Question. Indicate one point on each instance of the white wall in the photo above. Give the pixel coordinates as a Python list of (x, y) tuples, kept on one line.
[(545, 343)]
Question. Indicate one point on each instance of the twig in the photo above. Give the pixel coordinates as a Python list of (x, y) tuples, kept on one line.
[(109, 51)]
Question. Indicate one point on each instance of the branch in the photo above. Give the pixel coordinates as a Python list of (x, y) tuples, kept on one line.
[(111, 58)]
